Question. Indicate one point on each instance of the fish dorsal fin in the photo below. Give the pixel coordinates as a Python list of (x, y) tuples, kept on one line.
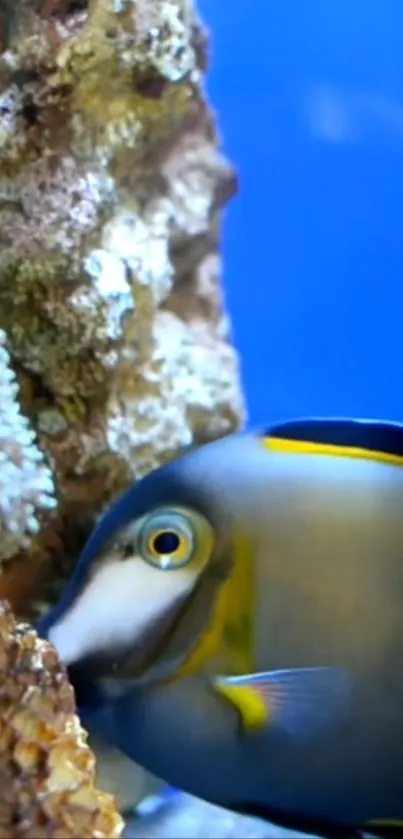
[(375, 440)]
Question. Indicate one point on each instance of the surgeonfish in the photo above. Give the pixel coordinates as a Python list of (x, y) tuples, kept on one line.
[(235, 625)]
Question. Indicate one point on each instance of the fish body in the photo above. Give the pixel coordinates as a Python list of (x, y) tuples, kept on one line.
[(117, 774), (288, 563)]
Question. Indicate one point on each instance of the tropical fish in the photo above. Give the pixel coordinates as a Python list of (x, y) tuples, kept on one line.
[(235, 625)]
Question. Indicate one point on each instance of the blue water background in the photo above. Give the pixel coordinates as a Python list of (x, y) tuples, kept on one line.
[(310, 100)]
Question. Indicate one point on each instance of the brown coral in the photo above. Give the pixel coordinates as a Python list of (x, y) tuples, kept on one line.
[(111, 189), (112, 184), (47, 770)]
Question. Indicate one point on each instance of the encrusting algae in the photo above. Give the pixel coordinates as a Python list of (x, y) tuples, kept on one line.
[(47, 770), (115, 344), (112, 185)]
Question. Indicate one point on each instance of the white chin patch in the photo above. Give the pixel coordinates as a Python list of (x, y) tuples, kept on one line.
[(116, 607)]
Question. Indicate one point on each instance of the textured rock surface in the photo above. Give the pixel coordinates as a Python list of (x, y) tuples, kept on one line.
[(47, 770), (111, 187), (115, 352)]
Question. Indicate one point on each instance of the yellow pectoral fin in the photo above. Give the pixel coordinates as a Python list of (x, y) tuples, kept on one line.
[(298, 702), (248, 701)]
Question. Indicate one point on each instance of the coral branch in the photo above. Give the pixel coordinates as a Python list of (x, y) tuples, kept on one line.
[(26, 482)]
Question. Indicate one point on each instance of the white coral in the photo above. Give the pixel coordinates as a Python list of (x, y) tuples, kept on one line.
[(26, 483)]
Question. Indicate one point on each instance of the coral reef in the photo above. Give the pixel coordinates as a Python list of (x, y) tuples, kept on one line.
[(112, 184), (47, 770), (26, 483), (115, 347)]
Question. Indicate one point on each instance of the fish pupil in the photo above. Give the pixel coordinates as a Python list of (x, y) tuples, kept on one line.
[(166, 543)]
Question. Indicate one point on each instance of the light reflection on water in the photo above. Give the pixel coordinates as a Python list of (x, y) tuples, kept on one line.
[(338, 114)]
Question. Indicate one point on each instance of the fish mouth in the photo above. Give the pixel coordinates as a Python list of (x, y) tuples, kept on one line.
[(155, 656), (96, 642), (147, 660), (139, 664), (159, 653), (115, 623)]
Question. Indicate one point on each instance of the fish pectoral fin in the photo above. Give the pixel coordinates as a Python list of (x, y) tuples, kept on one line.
[(384, 828), (248, 701), (299, 702)]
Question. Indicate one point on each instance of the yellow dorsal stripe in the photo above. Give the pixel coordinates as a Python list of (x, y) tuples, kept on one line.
[(278, 444)]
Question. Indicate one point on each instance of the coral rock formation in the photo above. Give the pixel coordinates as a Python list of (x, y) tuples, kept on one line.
[(115, 351), (47, 770), (26, 483), (111, 189)]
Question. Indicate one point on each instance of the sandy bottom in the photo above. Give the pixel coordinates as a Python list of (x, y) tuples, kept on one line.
[(189, 818)]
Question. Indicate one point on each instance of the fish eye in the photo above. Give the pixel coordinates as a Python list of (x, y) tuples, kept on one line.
[(168, 540), (165, 542)]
